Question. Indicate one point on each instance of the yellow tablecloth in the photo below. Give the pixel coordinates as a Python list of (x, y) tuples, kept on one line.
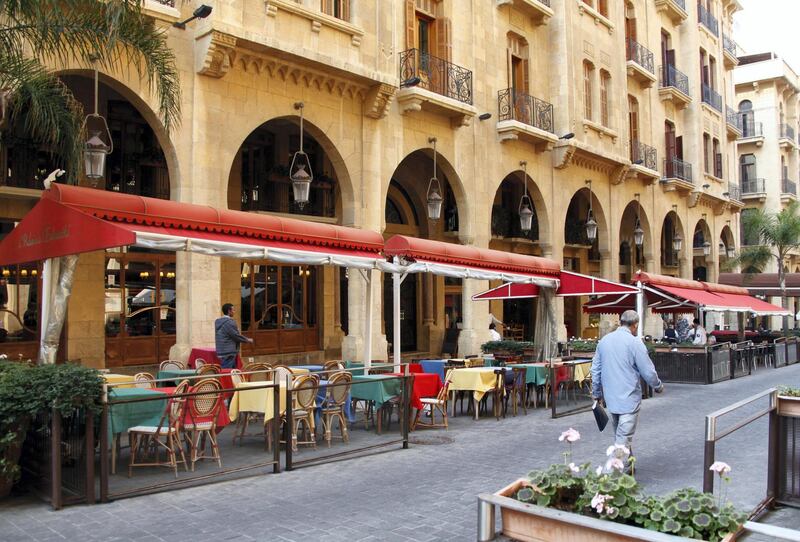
[(255, 400), (478, 380), (113, 378), (582, 371)]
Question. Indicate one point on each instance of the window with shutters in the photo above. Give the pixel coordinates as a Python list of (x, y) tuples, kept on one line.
[(605, 89), (706, 152), (602, 7), (336, 8), (518, 65), (588, 84)]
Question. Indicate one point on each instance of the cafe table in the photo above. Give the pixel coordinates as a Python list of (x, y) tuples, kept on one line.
[(176, 375), (120, 381), (306, 368), (478, 380), (435, 366), (249, 397), (535, 373), (425, 385), (122, 415), (581, 370), (208, 355)]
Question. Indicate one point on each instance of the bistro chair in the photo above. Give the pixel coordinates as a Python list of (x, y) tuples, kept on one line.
[(496, 393), (144, 380), (209, 369), (280, 373), (304, 399), (199, 362), (433, 405), (335, 365), (237, 377), (202, 427), (171, 365), (336, 394), (516, 389), (166, 435), (259, 372)]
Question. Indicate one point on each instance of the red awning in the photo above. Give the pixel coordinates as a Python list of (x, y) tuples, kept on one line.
[(755, 305), (571, 284), (72, 219), (703, 299), (451, 254)]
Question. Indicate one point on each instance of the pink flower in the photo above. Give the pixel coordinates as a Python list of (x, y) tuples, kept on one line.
[(621, 447), (720, 468), (574, 468), (598, 502), (570, 435), (615, 463)]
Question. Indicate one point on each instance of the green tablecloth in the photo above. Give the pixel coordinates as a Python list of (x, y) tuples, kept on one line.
[(534, 374), (123, 416), (175, 374), (378, 388), (354, 367)]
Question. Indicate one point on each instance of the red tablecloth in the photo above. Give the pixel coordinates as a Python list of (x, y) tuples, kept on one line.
[(222, 415), (415, 368), (425, 385), (208, 355)]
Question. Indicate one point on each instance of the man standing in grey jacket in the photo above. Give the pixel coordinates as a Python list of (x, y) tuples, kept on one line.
[(227, 337), (619, 365)]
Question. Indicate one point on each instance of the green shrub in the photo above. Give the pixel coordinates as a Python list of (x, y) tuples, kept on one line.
[(512, 347)]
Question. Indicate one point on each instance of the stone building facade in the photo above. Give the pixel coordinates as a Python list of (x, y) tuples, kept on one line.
[(516, 96)]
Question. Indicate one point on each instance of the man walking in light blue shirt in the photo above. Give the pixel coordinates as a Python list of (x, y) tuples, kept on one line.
[(619, 364)]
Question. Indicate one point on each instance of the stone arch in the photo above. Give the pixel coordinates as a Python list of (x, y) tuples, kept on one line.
[(576, 216), (671, 225), (626, 229), (542, 215), (701, 237)]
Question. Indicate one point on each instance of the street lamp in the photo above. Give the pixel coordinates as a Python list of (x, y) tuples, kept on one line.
[(525, 204), (300, 170), (638, 232), (434, 196), (706, 248), (591, 223), (677, 239), (99, 143)]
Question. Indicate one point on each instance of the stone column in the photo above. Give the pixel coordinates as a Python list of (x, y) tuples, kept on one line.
[(198, 304)]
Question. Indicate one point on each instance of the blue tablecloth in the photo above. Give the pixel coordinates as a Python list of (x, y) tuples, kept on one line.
[(310, 368), (435, 366), (323, 386)]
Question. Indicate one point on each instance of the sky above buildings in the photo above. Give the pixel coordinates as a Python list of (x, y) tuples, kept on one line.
[(769, 25)]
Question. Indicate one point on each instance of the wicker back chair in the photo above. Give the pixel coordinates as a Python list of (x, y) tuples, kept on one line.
[(263, 375), (209, 369), (433, 405), (144, 380), (166, 435), (237, 377), (171, 365), (199, 362), (280, 373), (304, 393), (337, 393), (203, 411), (335, 365)]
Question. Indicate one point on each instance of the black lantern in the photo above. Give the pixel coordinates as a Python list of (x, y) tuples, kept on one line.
[(638, 232), (300, 169), (98, 142), (677, 242), (591, 223), (525, 204), (434, 196)]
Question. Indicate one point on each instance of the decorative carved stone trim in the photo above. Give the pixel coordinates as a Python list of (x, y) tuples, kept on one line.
[(216, 61), (619, 174), (378, 100), (562, 155), (694, 198), (317, 19)]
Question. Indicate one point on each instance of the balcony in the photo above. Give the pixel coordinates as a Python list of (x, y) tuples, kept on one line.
[(753, 189), (674, 86), (752, 132), (711, 98), (707, 20), (644, 159), (674, 9), (442, 86), (788, 190), (733, 122), (521, 116), (787, 138), (539, 10), (734, 192), (164, 10), (640, 63), (677, 175), (730, 51)]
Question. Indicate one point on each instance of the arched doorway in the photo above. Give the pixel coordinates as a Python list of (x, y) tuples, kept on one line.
[(634, 226), (283, 306), (582, 255), (673, 242), (727, 248), (431, 306), (517, 315), (702, 248)]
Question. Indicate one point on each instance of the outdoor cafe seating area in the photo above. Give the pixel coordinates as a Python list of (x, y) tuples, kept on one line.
[(184, 421)]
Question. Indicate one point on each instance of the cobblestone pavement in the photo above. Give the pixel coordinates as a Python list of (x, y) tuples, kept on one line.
[(425, 493)]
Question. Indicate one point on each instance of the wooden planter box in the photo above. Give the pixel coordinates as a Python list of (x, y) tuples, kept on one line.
[(789, 406), (530, 523)]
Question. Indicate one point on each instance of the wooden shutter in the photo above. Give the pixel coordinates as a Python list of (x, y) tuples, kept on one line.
[(679, 147), (345, 10), (444, 44), (670, 57), (526, 76), (326, 6), (411, 25)]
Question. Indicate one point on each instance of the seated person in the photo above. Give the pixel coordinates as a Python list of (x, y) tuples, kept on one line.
[(493, 334), (670, 335)]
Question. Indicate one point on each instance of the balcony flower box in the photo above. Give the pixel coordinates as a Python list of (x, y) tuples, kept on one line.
[(788, 406)]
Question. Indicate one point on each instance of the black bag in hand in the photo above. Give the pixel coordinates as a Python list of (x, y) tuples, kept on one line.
[(600, 415)]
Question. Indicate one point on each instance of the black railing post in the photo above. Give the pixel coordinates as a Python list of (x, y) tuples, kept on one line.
[(287, 426), (774, 461), (276, 427), (406, 405), (104, 453), (708, 460), (56, 496), (90, 498)]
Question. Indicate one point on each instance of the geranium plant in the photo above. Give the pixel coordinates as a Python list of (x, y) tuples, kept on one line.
[(607, 492)]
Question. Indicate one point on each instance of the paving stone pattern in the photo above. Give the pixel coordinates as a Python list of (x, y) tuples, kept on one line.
[(422, 494)]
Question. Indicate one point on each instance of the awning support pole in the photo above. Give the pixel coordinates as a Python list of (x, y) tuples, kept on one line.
[(44, 317), (397, 280), (640, 309), (367, 274)]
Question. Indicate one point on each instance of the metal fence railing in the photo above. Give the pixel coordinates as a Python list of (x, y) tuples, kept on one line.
[(753, 186), (515, 105), (733, 118), (673, 77), (675, 168), (711, 97), (734, 192), (787, 132), (644, 154), (640, 54), (729, 45), (437, 75), (707, 19), (788, 186)]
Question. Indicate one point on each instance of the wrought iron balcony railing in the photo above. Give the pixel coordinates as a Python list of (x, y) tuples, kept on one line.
[(681, 3), (751, 128), (733, 118), (675, 168), (673, 77), (734, 192), (753, 186), (788, 187), (711, 97), (545, 2), (729, 45), (707, 20), (515, 105), (640, 54), (644, 154), (437, 75), (170, 3), (787, 132)]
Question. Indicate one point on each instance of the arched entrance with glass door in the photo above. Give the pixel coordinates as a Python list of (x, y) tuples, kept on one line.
[(635, 241), (672, 244), (702, 248)]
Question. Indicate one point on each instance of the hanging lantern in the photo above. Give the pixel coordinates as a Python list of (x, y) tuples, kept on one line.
[(677, 242), (434, 199), (300, 170), (731, 253), (706, 248), (99, 143), (638, 234), (525, 214), (591, 228), (722, 250)]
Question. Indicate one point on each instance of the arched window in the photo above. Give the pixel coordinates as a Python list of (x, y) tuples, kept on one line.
[(605, 90), (588, 89)]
